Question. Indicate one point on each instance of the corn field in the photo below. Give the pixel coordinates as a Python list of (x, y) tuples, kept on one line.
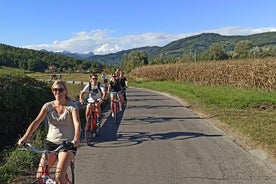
[(258, 73)]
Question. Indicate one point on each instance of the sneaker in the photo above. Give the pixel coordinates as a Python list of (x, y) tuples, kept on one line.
[(112, 114), (121, 109)]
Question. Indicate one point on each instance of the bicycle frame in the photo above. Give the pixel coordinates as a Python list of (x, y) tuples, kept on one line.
[(45, 177), (92, 129)]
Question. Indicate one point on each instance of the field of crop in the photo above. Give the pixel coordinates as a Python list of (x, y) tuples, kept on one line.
[(259, 73)]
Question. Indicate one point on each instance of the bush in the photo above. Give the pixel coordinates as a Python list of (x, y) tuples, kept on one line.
[(22, 98)]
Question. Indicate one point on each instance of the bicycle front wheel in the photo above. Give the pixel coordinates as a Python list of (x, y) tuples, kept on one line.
[(70, 173), (88, 131)]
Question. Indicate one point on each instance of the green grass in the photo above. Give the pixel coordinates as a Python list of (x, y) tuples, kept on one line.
[(248, 113), (211, 96), (65, 76)]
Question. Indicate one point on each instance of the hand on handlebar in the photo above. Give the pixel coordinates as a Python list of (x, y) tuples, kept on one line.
[(100, 100), (76, 143), (21, 141), (82, 101)]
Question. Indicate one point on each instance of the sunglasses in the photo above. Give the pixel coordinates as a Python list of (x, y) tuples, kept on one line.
[(58, 89), (94, 78)]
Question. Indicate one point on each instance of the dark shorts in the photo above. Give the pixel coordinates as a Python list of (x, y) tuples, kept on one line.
[(52, 146)]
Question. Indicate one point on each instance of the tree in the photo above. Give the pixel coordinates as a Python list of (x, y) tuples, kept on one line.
[(242, 48), (134, 59), (86, 65), (216, 51), (36, 65)]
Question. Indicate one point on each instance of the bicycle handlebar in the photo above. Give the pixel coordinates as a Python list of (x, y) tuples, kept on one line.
[(66, 144)]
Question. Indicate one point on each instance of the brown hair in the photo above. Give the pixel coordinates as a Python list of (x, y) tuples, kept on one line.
[(95, 75)]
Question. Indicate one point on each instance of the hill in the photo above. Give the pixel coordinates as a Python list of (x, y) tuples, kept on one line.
[(198, 43), (14, 56)]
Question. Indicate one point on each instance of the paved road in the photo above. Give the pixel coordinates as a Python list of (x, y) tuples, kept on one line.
[(160, 141)]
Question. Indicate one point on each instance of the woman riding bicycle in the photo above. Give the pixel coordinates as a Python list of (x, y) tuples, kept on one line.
[(114, 88), (64, 124), (96, 92)]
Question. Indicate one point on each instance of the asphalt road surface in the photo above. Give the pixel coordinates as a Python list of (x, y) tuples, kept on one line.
[(160, 141)]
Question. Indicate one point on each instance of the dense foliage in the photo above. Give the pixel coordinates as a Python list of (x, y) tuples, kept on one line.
[(41, 61), (21, 99), (133, 60)]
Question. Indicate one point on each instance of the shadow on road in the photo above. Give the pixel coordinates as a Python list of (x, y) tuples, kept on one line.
[(124, 139), (110, 137), (109, 129), (165, 119)]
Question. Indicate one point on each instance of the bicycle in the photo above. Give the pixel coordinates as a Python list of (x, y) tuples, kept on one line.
[(46, 177), (92, 127), (115, 107)]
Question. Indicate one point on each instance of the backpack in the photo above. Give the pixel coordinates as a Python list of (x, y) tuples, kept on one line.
[(99, 87)]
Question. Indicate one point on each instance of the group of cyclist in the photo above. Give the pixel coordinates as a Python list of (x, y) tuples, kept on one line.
[(98, 91), (64, 122)]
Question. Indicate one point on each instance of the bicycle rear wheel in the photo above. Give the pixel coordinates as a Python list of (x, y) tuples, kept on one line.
[(70, 173)]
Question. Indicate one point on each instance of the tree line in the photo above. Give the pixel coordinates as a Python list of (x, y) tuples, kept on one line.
[(43, 61), (243, 49)]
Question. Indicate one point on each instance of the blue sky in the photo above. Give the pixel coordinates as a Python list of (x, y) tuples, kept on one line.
[(106, 26)]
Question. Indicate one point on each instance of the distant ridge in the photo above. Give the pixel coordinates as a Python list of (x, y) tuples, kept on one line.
[(199, 43)]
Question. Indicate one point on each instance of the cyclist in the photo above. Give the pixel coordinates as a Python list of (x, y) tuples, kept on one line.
[(113, 88), (96, 91), (64, 124), (124, 85)]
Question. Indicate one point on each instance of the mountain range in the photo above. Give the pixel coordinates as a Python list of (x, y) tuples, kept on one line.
[(198, 43)]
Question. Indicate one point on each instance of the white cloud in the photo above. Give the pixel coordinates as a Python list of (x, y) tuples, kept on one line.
[(102, 42)]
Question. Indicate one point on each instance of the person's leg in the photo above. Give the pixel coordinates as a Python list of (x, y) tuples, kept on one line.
[(112, 103), (120, 101), (64, 160), (40, 169), (87, 112), (98, 109), (51, 161), (99, 112)]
